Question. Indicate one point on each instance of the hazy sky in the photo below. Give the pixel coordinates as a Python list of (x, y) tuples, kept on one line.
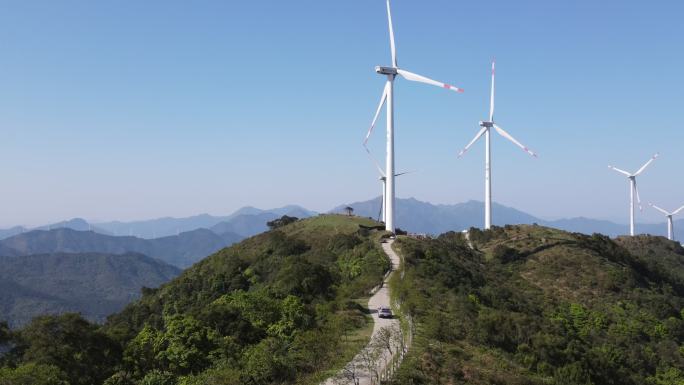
[(138, 109)]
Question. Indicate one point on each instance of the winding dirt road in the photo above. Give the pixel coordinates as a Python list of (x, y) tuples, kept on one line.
[(380, 298)]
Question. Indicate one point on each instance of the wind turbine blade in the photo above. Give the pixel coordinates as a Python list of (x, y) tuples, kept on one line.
[(491, 97), (375, 162), (383, 99), (404, 173), (391, 32), (678, 210), (636, 190), (477, 136), (422, 79), (512, 139), (646, 165), (618, 170), (659, 209)]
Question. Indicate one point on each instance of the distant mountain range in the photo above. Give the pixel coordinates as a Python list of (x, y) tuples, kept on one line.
[(176, 236), (181, 251), (93, 284), (246, 222), (422, 217)]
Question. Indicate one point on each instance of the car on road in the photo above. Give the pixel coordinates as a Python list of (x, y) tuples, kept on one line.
[(384, 312)]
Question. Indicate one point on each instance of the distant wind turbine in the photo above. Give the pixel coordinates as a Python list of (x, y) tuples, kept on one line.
[(485, 130), (669, 215), (633, 190), (383, 179), (388, 97)]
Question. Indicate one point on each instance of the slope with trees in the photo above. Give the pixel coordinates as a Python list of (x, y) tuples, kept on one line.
[(95, 285), (533, 305), (274, 309)]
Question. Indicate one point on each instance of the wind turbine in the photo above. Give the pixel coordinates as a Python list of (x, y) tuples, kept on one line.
[(486, 131), (669, 215), (388, 97), (383, 179), (633, 189)]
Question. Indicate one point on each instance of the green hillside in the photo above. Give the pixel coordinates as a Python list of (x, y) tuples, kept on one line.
[(278, 308), (533, 305), (93, 284)]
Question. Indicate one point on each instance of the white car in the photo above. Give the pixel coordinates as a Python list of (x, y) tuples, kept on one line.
[(384, 312)]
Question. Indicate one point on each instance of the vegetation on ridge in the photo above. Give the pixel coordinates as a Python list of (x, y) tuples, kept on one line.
[(533, 305), (274, 309)]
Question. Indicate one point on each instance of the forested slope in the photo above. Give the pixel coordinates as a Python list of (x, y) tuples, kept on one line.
[(534, 305), (274, 309)]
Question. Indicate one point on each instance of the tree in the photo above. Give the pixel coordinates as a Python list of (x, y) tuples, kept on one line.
[(304, 279), (349, 210), (141, 351), (268, 362), (5, 333), (157, 377), (221, 375), (292, 318), (33, 374), (384, 339), (370, 359), (188, 345), (280, 222), (120, 378), (350, 372), (72, 344)]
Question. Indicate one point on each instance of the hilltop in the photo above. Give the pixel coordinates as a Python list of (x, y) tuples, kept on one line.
[(535, 305)]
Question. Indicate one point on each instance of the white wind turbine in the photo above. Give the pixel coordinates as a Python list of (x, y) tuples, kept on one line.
[(633, 190), (383, 180), (383, 203), (388, 97), (669, 215), (486, 131)]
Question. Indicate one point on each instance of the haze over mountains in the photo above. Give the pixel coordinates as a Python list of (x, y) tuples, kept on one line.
[(421, 217), (246, 222), (181, 251), (412, 215)]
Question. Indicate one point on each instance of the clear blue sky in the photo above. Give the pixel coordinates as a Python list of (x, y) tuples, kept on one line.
[(139, 109)]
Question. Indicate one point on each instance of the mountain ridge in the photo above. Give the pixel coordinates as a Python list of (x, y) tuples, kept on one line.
[(423, 217), (182, 250)]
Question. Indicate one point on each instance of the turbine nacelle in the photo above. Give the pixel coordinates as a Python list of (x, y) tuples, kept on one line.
[(386, 70), (486, 124)]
